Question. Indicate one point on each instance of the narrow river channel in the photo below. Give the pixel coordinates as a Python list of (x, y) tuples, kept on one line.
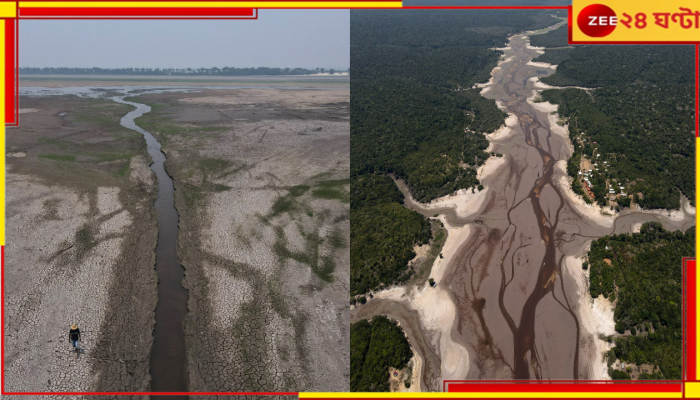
[(168, 356)]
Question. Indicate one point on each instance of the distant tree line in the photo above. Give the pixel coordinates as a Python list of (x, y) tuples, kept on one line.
[(225, 71)]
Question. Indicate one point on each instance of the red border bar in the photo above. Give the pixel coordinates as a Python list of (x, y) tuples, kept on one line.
[(11, 73), (485, 7), (690, 335), (139, 12), (587, 386), (600, 387), (154, 393)]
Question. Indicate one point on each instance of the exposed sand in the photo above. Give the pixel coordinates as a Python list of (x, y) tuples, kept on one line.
[(543, 86), (437, 313), (491, 165), (596, 315), (415, 373), (297, 99), (503, 132), (542, 65)]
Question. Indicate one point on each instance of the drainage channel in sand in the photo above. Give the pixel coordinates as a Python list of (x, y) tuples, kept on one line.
[(168, 356)]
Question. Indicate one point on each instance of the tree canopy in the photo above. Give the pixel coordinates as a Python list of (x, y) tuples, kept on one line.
[(642, 272), (640, 117), (374, 347)]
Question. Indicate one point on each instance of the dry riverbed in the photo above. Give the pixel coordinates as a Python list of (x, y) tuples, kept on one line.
[(261, 188), (511, 297), (80, 237)]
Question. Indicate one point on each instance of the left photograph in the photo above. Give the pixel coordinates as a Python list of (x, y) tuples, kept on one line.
[(177, 209)]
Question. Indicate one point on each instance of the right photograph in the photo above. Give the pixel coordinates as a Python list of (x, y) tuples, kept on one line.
[(520, 207)]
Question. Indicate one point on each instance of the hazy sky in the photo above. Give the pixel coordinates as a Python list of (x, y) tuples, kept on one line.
[(278, 38)]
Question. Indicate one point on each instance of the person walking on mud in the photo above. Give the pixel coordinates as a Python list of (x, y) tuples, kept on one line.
[(74, 337)]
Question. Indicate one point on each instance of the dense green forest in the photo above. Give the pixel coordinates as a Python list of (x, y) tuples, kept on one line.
[(557, 45), (382, 233), (639, 118), (643, 272), (407, 117), (415, 114), (554, 56), (225, 71), (374, 347), (556, 38)]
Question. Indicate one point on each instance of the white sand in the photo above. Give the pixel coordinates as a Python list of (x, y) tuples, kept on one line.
[(689, 209), (673, 215), (491, 165), (637, 227), (395, 294), (536, 48), (553, 118), (487, 86), (505, 130), (438, 314), (596, 316), (464, 202), (455, 237), (437, 311), (542, 65), (543, 86), (417, 373)]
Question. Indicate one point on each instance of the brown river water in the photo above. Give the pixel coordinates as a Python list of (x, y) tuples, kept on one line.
[(514, 301), (168, 356)]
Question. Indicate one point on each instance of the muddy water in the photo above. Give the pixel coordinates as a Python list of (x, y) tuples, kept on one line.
[(516, 300), (168, 358)]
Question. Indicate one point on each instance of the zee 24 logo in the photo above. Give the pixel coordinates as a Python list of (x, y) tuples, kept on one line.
[(598, 20)]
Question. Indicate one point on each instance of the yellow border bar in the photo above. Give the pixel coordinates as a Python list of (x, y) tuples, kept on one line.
[(210, 4), (495, 395), (697, 251), (692, 390), (8, 9)]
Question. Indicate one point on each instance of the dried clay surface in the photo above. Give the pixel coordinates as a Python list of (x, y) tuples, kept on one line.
[(262, 192), (80, 239)]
